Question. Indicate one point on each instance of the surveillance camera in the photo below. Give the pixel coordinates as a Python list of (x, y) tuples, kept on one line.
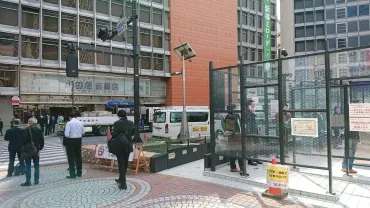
[(284, 53)]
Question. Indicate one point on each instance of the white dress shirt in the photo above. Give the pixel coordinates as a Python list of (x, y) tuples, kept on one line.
[(74, 129)]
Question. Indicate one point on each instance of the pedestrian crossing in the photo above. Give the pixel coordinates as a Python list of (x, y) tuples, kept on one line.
[(53, 153)]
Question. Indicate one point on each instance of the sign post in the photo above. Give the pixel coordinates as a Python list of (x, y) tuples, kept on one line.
[(122, 26)]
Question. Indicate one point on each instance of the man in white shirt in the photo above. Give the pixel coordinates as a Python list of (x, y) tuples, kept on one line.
[(73, 133)]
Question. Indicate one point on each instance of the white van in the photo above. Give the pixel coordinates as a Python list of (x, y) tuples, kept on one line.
[(167, 122)]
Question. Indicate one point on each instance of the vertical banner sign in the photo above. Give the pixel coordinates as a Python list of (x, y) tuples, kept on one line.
[(267, 34)]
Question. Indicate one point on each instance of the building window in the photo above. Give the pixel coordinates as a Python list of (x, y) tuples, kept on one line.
[(87, 5), (51, 1), (146, 60), (353, 41), (50, 21), (308, 3), (259, 39), (364, 40), (363, 10), (118, 61), (252, 37), (310, 31), (64, 49), (330, 14), (320, 45), (30, 47), (332, 43), (244, 53), (30, 18), (167, 42), (299, 46), (352, 11), (87, 27), (8, 14), (329, 2), (69, 24), (364, 25), (299, 4), (129, 35), (259, 22), (310, 45), (158, 62), (319, 3), (157, 17), (299, 18), (144, 37), (273, 42), (319, 15), (252, 5), (341, 28), (157, 39), (252, 20), (244, 36), (243, 3), (309, 16), (273, 55), (145, 14), (244, 18), (352, 26), (259, 55), (117, 8), (320, 30), (299, 32), (340, 1), (272, 9), (102, 24), (330, 29), (253, 54), (69, 3), (252, 71), (8, 44), (158, 1), (273, 25), (102, 6), (85, 56), (128, 9), (50, 49), (341, 13), (342, 42), (259, 5), (129, 61), (101, 58)]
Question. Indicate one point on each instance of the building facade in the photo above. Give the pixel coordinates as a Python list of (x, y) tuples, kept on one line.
[(33, 39)]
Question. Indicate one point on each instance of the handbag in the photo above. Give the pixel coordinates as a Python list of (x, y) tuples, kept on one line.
[(29, 150)]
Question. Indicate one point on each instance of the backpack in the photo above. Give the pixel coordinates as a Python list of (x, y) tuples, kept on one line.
[(120, 144)]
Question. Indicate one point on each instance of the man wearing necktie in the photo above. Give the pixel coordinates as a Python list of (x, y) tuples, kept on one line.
[(73, 133)]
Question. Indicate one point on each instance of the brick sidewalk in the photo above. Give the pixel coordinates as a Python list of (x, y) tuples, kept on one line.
[(97, 189)]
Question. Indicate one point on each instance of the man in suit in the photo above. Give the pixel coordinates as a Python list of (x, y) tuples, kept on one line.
[(15, 138), (34, 135), (72, 140), (123, 125)]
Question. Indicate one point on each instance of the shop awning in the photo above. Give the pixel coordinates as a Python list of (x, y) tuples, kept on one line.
[(117, 103)]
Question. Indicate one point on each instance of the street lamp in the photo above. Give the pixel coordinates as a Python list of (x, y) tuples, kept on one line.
[(185, 52)]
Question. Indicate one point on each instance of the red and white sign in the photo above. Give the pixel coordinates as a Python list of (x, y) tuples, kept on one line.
[(359, 124), (359, 110), (102, 151), (15, 100)]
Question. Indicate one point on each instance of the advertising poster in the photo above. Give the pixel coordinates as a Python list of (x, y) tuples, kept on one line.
[(307, 127)]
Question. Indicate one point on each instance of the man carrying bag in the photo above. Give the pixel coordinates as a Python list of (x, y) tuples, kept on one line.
[(33, 143), (121, 145)]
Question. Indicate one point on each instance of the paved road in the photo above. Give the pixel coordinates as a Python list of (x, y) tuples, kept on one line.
[(97, 188)]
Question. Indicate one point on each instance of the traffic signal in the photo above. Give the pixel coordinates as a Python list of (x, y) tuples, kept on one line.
[(72, 66)]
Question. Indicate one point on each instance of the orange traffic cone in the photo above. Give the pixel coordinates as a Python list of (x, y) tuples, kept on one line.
[(275, 192), (109, 135)]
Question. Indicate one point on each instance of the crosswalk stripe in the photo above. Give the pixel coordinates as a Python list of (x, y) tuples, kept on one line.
[(53, 153)]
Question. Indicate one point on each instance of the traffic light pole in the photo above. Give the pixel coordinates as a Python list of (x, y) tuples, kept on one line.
[(136, 56)]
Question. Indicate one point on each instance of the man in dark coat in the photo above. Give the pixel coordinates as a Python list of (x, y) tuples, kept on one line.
[(252, 129), (15, 138), (34, 135), (123, 126), (1, 127)]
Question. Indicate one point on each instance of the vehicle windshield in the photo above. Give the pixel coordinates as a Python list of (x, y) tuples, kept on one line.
[(159, 117)]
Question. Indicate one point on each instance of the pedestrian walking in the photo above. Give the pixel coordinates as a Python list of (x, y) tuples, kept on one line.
[(33, 143), (72, 140), (123, 129), (42, 123), (53, 122), (15, 138), (1, 127), (60, 120), (253, 130)]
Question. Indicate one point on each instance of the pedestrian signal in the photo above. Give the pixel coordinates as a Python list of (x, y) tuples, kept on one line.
[(72, 66)]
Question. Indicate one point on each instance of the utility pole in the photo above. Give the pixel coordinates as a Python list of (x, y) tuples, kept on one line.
[(136, 57)]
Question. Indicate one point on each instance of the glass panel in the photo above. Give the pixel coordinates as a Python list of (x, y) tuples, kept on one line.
[(8, 44), (363, 10), (102, 59), (86, 5), (30, 18), (8, 75), (30, 47), (69, 24), (118, 60), (86, 57), (144, 37), (158, 62), (117, 8), (145, 60), (157, 17), (51, 1), (69, 3), (8, 14), (49, 49), (87, 27), (157, 39), (102, 6), (64, 50), (50, 21), (144, 14)]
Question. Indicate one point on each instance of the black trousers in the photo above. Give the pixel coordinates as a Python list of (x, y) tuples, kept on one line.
[(122, 159), (233, 164), (73, 149)]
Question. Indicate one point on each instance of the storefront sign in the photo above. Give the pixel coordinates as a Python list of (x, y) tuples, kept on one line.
[(15, 100), (277, 176), (359, 110), (307, 127), (267, 33), (359, 124)]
